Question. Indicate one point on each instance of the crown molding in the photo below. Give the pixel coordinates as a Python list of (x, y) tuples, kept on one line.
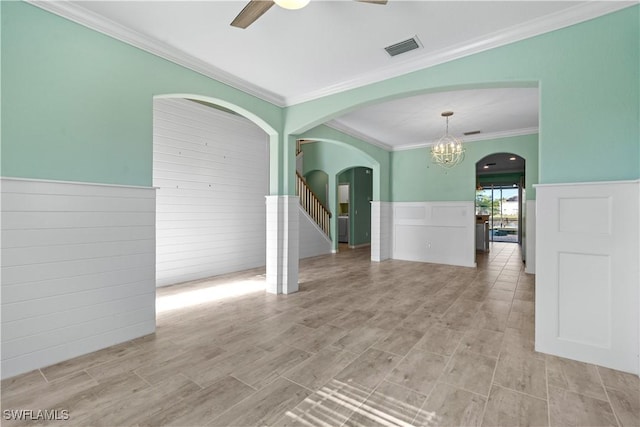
[(561, 19), (91, 20), (479, 137), (340, 127), (570, 16)]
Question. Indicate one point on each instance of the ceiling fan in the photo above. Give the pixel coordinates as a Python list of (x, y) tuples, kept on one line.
[(256, 8)]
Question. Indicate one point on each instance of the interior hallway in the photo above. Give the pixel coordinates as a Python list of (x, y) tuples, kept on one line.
[(361, 344)]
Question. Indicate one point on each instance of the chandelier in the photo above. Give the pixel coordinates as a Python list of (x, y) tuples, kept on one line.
[(448, 151)]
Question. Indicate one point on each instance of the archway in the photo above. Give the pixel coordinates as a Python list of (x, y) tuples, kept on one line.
[(334, 157), (210, 204)]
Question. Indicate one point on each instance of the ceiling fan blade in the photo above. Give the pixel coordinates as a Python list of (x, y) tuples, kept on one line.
[(373, 1), (251, 12)]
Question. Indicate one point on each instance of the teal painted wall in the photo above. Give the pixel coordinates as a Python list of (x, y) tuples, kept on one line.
[(361, 194), (360, 181), (589, 79), (415, 178), (499, 179), (318, 182), (77, 105)]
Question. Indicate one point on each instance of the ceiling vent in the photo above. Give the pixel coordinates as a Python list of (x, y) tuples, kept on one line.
[(404, 46), (473, 132)]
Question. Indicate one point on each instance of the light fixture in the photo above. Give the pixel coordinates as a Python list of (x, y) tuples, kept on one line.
[(512, 158), (448, 151), (292, 4)]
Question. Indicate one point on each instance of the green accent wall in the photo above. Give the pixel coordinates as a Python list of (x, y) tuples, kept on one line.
[(589, 81), (77, 104), (414, 178), (499, 179), (361, 194), (360, 181), (318, 182)]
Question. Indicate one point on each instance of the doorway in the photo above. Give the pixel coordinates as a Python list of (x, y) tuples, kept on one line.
[(499, 196), (355, 192), (501, 205)]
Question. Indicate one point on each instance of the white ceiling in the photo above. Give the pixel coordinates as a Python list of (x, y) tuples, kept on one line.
[(416, 121), (288, 57)]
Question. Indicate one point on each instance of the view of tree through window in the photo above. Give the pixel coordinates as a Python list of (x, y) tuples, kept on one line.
[(501, 204)]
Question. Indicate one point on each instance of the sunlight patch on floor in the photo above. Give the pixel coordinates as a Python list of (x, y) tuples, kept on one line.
[(190, 298)]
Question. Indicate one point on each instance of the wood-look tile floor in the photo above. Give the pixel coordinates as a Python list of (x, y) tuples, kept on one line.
[(361, 344)]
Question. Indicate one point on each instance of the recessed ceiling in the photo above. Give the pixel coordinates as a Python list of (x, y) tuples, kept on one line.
[(291, 56), (416, 121)]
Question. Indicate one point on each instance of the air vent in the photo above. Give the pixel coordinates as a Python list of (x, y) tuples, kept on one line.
[(473, 132), (403, 46)]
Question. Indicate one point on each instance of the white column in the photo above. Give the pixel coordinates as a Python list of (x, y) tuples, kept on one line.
[(380, 230), (282, 244)]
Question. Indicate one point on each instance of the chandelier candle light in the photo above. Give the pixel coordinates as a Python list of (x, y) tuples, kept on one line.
[(448, 151)]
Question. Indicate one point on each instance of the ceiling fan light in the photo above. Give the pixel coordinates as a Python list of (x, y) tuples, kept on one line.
[(292, 4)]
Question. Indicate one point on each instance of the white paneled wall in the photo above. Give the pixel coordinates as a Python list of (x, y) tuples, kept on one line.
[(211, 169), (438, 232), (587, 276), (78, 269), (313, 241)]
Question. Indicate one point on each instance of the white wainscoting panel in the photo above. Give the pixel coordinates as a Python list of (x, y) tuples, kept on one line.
[(211, 169), (530, 241), (78, 269), (313, 241), (438, 232), (587, 279), (381, 230)]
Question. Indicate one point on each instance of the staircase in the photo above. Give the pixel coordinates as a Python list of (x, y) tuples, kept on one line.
[(310, 201), (312, 205)]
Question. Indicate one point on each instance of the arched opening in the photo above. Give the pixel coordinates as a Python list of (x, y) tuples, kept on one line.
[(211, 173), (338, 160), (500, 198)]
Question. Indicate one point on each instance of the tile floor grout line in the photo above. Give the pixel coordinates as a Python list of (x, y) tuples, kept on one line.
[(493, 378), (361, 403), (134, 372), (519, 392), (43, 376), (606, 392), (444, 369)]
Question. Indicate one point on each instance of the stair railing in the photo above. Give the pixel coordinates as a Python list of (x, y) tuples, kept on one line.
[(312, 205)]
